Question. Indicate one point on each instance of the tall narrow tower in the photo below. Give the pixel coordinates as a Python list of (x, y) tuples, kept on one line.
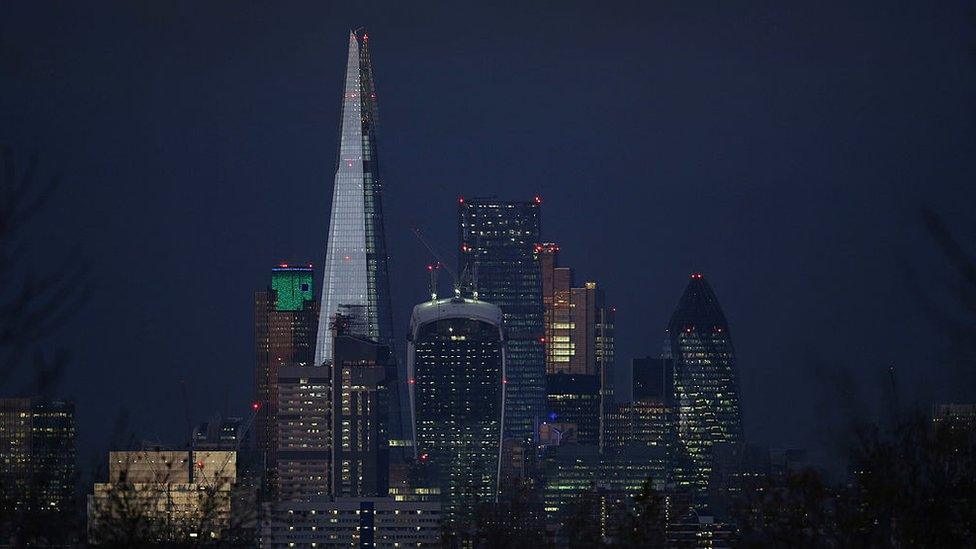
[(706, 386), (356, 272), (498, 242)]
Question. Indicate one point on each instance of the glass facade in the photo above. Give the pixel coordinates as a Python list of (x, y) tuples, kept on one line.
[(706, 386), (575, 399), (356, 260), (457, 368), (579, 345), (498, 251)]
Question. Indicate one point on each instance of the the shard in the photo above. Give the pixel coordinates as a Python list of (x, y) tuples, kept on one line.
[(706, 386), (356, 277)]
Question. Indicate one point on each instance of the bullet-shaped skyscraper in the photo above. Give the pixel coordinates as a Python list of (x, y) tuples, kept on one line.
[(706, 384), (498, 254)]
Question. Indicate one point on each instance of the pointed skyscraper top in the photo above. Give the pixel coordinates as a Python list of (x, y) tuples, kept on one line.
[(355, 259), (698, 305), (356, 275)]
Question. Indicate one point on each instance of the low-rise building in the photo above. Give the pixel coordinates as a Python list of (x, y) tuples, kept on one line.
[(356, 522)]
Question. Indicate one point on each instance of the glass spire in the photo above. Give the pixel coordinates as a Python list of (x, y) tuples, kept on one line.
[(356, 274)]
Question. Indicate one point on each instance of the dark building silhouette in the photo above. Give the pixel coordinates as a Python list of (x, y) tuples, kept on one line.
[(498, 252), (456, 362), (38, 461), (356, 269), (650, 419), (575, 399), (706, 386), (360, 397), (285, 320)]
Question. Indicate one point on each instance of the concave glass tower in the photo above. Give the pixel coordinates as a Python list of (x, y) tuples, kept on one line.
[(356, 273), (706, 385)]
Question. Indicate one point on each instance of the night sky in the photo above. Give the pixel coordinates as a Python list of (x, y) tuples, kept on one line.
[(783, 151)]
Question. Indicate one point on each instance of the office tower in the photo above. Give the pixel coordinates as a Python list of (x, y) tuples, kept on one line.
[(557, 284), (457, 372), (356, 272), (649, 420), (285, 318), (574, 399), (37, 456), (593, 328), (570, 470), (162, 496), (303, 433), (498, 253), (360, 461), (706, 387), (579, 345)]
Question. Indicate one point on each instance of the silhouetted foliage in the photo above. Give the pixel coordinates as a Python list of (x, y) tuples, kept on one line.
[(911, 485), (32, 305), (516, 521), (167, 511)]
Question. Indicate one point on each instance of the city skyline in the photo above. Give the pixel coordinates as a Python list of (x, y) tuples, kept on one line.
[(714, 174)]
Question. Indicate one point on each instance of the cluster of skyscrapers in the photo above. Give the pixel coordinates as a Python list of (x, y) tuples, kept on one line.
[(507, 382), (511, 377)]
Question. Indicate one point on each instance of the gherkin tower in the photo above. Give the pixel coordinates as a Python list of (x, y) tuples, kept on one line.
[(356, 277), (706, 384)]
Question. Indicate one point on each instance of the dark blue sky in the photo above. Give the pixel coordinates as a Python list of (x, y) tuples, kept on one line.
[(784, 151)]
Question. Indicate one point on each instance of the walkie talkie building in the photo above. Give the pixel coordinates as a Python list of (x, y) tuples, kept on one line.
[(456, 363)]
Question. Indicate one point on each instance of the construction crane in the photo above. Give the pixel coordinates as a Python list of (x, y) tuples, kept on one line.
[(242, 433), (436, 266)]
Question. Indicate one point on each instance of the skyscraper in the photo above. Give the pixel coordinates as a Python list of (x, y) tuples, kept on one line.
[(706, 385), (303, 433), (649, 419), (456, 362), (360, 448), (579, 348), (498, 252), (285, 317), (557, 284), (356, 271), (37, 457)]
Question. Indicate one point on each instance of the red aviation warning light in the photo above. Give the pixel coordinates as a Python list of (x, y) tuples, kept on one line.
[(697, 276), (538, 199), (255, 406), (460, 200)]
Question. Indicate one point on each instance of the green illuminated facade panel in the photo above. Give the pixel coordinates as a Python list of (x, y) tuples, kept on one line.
[(292, 287)]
